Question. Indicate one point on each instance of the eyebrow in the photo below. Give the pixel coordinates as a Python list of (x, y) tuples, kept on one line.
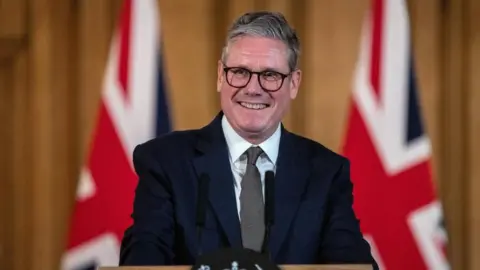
[(261, 70)]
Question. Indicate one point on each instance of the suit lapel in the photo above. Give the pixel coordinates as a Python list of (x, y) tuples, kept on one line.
[(214, 161), (290, 184), (293, 170)]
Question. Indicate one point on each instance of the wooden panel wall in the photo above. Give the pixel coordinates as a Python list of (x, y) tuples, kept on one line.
[(52, 57), (472, 133)]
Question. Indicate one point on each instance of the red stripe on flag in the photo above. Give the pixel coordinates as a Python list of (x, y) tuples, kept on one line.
[(108, 210), (376, 50), (125, 31)]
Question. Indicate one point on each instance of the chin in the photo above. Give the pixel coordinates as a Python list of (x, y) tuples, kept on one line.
[(253, 129), (252, 121), (253, 126)]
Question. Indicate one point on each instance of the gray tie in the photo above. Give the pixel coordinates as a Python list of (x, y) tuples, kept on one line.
[(251, 203)]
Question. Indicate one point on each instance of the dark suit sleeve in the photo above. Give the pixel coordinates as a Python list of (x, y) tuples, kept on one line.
[(149, 240), (343, 241)]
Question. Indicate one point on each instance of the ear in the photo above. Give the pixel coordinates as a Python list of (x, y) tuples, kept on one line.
[(295, 81), (220, 75)]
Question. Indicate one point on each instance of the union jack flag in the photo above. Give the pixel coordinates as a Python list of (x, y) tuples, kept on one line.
[(133, 110), (390, 152)]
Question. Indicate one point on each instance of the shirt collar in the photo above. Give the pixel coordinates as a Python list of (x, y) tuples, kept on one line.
[(238, 145)]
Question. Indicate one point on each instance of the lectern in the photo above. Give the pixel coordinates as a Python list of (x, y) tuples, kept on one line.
[(283, 267)]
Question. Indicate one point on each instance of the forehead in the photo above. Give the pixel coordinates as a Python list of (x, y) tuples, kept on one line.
[(258, 53)]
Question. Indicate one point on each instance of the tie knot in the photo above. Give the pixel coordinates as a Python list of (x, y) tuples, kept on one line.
[(253, 153)]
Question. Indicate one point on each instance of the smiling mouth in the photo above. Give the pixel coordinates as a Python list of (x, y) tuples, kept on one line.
[(254, 106)]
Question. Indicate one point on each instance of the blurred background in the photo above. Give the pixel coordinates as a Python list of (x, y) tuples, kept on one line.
[(53, 55)]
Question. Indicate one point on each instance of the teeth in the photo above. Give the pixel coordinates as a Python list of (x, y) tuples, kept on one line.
[(254, 106)]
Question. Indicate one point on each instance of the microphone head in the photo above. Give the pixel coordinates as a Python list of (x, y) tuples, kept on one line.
[(234, 259), (269, 197), (269, 175), (202, 198)]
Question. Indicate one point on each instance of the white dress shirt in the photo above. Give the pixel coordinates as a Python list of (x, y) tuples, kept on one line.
[(238, 158)]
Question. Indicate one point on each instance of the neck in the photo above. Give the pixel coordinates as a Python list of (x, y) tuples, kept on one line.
[(257, 138)]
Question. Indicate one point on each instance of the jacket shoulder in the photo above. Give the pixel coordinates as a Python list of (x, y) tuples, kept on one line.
[(168, 144), (318, 151)]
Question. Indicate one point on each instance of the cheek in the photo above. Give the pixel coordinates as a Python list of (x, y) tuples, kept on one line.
[(281, 99), (225, 91), (227, 94)]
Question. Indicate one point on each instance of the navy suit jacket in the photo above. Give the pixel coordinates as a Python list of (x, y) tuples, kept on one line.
[(314, 220)]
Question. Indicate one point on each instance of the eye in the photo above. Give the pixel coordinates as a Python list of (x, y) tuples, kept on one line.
[(239, 71), (271, 75)]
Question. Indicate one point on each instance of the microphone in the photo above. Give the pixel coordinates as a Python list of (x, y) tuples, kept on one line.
[(235, 257), (202, 200), (269, 209)]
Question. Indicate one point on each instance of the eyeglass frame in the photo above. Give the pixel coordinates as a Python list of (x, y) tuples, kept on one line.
[(258, 73)]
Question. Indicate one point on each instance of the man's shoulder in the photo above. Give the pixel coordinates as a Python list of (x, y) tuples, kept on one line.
[(170, 144), (317, 151)]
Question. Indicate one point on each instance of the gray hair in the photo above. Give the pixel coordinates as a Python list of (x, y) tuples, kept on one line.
[(269, 25)]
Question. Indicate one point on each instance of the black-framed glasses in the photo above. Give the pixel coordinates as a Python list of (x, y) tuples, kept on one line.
[(269, 80)]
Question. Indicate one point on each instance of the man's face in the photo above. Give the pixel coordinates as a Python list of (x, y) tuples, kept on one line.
[(252, 110)]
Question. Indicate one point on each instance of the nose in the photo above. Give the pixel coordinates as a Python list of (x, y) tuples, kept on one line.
[(253, 87)]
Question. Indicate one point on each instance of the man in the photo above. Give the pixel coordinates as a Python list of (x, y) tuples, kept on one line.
[(258, 76)]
